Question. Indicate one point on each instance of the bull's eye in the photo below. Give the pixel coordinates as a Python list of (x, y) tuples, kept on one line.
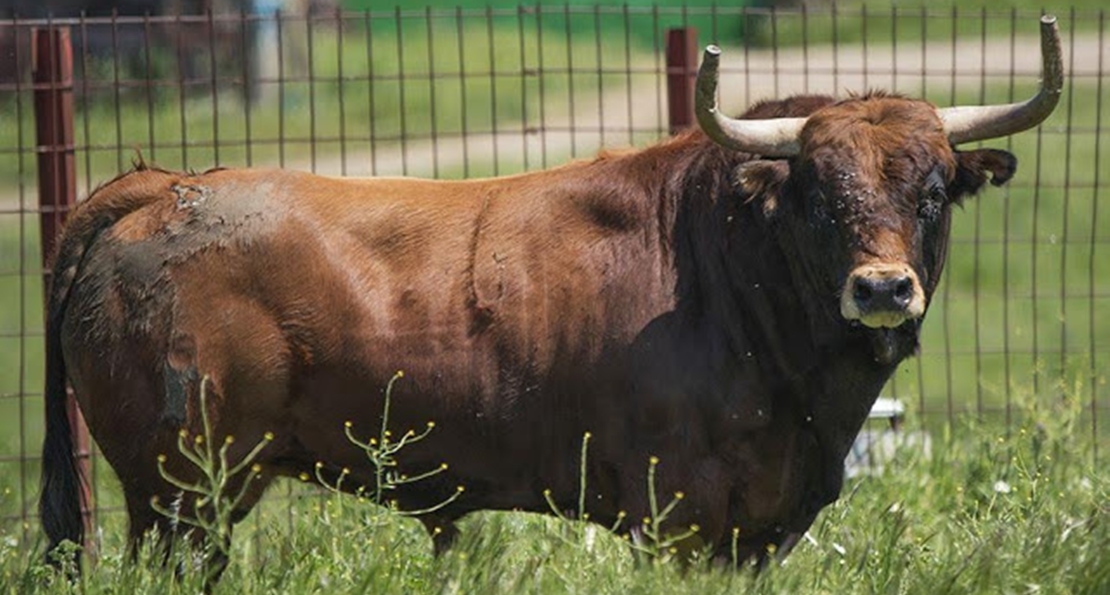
[(928, 209), (937, 194), (932, 199), (821, 216)]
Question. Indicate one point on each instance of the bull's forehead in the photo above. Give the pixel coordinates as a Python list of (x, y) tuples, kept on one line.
[(882, 141)]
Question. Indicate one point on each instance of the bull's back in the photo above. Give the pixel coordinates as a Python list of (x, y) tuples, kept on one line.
[(280, 260)]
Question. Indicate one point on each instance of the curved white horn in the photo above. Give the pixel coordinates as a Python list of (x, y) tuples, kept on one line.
[(776, 137), (965, 124)]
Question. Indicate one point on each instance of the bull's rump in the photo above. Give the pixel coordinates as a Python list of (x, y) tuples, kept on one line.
[(506, 303)]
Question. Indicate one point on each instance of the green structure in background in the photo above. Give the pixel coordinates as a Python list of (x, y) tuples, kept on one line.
[(609, 17)]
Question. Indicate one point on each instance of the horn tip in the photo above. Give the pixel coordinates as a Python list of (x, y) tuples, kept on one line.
[(1048, 19), (712, 50)]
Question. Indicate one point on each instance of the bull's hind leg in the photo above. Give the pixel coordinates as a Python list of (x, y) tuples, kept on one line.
[(144, 521), (172, 515), (234, 380)]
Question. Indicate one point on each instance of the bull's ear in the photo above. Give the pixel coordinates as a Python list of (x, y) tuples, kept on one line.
[(761, 180), (972, 168)]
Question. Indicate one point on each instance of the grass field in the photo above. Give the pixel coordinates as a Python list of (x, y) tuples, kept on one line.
[(988, 512)]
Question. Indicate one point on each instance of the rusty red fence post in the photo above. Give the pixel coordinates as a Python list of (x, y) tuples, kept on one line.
[(52, 67), (682, 70)]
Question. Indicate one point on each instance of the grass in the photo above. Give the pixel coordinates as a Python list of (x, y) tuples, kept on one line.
[(985, 513), (907, 23), (760, 23)]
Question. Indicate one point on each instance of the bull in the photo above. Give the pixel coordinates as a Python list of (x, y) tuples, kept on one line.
[(730, 300)]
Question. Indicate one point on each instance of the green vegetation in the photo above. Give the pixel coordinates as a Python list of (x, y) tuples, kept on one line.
[(988, 512), (789, 23)]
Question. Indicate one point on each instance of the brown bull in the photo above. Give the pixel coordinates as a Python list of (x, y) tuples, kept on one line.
[(730, 300)]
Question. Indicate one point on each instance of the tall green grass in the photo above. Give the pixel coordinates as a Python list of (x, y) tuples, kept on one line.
[(987, 512)]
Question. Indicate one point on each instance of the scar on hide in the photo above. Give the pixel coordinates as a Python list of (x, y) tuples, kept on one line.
[(179, 384), (180, 376), (482, 313), (190, 195)]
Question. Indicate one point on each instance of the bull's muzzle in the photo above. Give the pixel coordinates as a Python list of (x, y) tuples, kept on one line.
[(882, 295)]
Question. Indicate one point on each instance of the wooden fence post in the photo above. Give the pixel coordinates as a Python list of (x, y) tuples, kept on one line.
[(52, 66), (682, 71)]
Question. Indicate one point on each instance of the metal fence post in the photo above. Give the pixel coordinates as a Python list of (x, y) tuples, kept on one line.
[(682, 69), (52, 60)]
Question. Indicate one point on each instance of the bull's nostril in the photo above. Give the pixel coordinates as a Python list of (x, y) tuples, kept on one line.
[(903, 290), (862, 292)]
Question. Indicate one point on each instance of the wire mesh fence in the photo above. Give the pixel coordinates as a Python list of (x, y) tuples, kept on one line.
[(1021, 320)]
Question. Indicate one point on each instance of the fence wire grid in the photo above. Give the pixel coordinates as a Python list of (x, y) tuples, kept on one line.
[(1020, 322)]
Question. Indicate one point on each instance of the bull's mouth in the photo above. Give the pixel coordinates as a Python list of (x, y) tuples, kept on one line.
[(882, 295), (881, 319)]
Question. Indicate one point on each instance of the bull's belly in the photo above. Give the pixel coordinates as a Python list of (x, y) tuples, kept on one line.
[(503, 450)]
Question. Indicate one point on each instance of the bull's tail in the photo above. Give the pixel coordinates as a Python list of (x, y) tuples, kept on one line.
[(61, 497)]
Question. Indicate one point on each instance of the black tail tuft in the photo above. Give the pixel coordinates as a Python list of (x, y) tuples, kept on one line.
[(61, 498)]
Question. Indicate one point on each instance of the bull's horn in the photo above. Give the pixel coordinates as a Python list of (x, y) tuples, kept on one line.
[(965, 124), (777, 137)]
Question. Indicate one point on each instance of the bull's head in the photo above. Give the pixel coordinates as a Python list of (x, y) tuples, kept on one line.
[(872, 179)]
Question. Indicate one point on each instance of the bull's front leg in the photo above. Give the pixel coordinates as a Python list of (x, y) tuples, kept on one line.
[(675, 507)]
